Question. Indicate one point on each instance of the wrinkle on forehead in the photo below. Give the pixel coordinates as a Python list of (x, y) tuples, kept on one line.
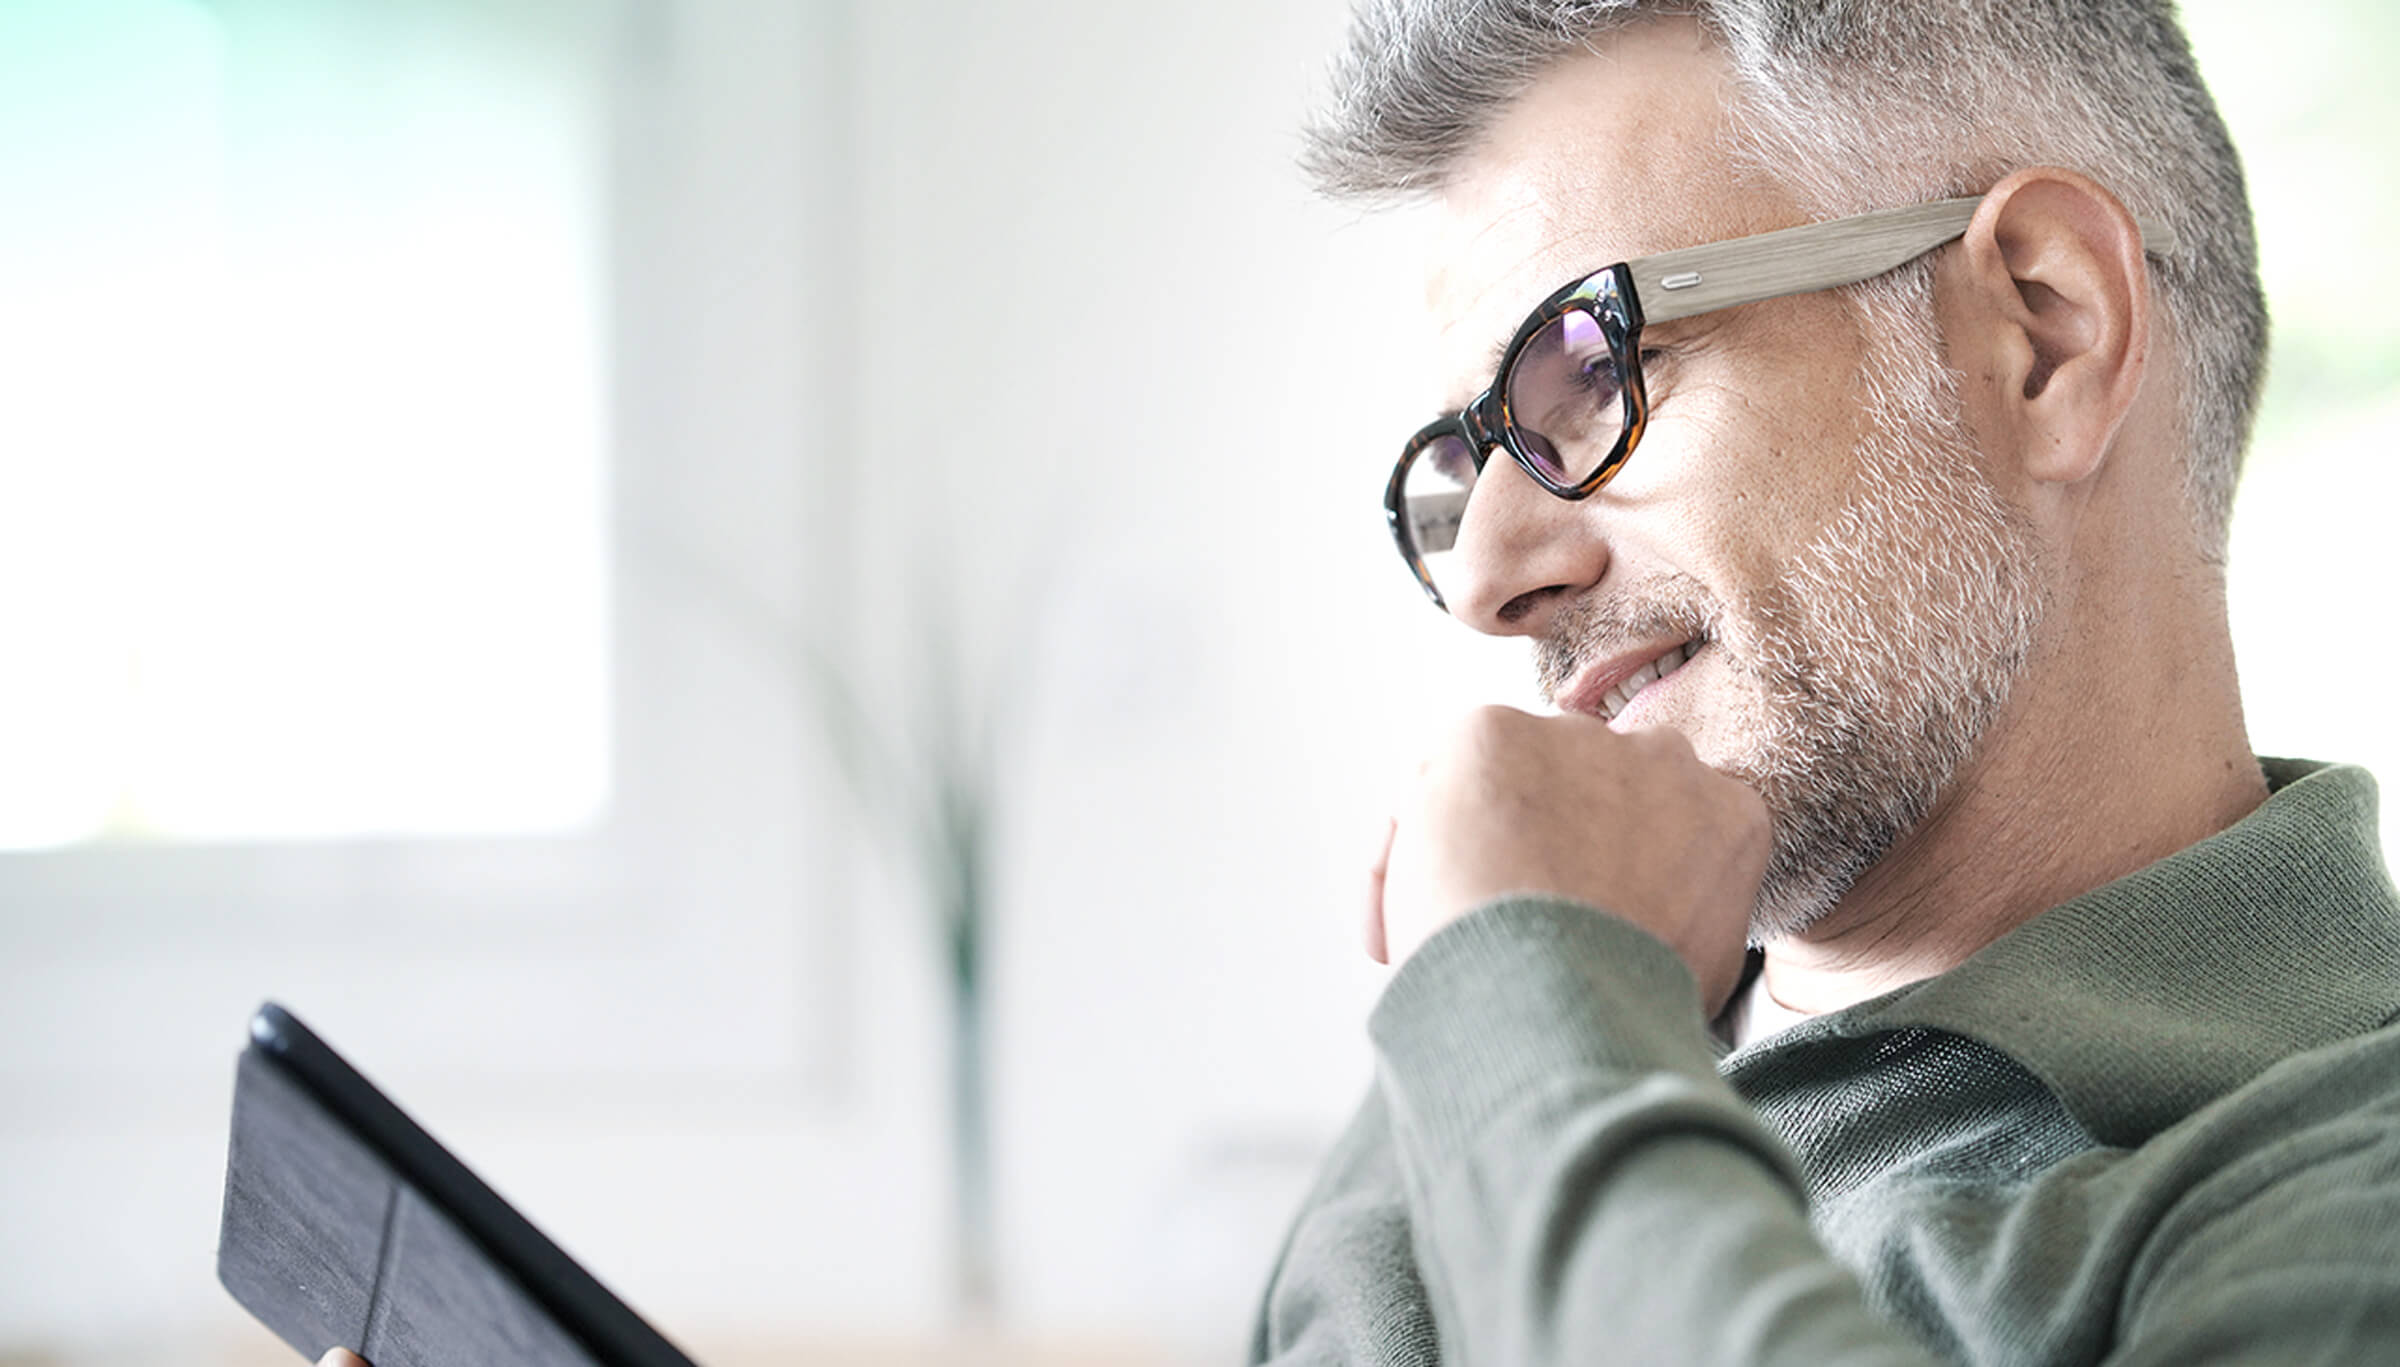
[(1611, 154), (1518, 242)]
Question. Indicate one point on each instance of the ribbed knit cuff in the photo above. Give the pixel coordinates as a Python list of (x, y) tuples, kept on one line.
[(1518, 994)]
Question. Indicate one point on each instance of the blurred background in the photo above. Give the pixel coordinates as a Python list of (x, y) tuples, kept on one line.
[(664, 571)]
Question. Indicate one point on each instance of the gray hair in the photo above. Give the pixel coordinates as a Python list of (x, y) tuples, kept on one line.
[(1860, 105)]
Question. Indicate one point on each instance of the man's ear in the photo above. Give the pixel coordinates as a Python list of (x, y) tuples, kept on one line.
[(2056, 300)]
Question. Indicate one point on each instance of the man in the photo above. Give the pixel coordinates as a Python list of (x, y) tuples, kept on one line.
[(1885, 617)]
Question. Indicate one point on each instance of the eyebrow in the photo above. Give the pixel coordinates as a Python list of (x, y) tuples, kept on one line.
[(1490, 371)]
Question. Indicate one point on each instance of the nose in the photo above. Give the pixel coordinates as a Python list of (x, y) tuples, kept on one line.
[(1520, 553)]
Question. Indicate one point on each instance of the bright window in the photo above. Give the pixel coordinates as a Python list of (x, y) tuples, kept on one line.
[(302, 502)]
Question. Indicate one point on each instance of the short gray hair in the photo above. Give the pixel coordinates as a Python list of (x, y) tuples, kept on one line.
[(1868, 104)]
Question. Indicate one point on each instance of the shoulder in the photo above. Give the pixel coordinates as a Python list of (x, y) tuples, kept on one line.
[(2307, 1149), (2288, 1229)]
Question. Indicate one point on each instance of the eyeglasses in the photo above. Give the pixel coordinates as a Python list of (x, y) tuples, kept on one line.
[(1568, 403)]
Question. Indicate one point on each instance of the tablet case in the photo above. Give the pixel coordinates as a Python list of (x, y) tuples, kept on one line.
[(346, 1225)]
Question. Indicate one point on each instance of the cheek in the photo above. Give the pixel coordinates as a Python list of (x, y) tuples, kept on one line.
[(1743, 481), (1768, 416)]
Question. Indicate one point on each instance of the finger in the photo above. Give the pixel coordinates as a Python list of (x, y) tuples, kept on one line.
[(341, 1357), (1373, 929)]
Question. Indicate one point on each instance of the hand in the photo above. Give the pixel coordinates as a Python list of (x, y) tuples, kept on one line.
[(1631, 822), (341, 1357)]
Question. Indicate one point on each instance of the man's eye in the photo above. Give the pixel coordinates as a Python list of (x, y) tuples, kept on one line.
[(1598, 377), (1600, 383)]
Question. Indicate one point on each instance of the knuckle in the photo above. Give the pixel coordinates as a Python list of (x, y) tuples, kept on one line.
[(1493, 717), (1671, 741), (1486, 726), (1751, 807), (1741, 804), (1751, 817)]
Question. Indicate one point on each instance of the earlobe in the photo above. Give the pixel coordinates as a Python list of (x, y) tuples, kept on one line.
[(2060, 273)]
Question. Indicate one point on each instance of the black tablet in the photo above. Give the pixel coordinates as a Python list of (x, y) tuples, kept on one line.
[(346, 1225)]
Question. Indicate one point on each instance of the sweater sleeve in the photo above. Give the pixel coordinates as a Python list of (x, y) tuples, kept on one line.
[(1580, 1185), (1345, 1289)]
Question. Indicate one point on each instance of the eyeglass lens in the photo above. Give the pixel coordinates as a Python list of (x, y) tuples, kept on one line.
[(1565, 400)]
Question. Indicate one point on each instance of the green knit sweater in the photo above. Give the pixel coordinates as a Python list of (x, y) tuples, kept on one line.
[(2158, 1124)]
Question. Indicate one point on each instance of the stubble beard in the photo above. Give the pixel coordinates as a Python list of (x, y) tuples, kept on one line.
[(1863, 675)]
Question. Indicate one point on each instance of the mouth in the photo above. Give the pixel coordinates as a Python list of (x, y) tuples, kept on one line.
[(1610, 688)]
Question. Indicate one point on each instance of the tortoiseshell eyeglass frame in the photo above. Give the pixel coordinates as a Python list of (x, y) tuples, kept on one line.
[(1682, 284), (1607, 296)]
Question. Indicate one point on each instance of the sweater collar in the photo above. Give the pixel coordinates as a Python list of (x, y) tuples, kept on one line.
[(2143, 1000)]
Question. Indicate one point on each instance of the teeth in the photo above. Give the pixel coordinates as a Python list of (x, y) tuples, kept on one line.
[(1623, 694)]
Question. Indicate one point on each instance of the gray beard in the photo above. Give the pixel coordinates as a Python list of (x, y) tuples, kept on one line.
[(1871, 667)]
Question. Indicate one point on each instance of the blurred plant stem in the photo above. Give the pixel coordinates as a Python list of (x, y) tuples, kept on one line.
[(934, 787), (924, 775), (963, 820)]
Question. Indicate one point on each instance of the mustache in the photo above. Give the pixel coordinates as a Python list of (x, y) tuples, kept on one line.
[(1602, 623)]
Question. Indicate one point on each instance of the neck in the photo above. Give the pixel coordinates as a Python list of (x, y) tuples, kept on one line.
[(2119, 747)]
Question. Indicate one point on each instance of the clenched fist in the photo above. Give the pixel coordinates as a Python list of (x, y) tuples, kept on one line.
[(1631, 822)]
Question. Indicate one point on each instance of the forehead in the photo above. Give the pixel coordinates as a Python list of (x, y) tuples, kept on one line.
[(1612, 154)]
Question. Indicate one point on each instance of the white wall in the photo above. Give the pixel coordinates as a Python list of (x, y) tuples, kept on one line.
[(1102, 306)]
